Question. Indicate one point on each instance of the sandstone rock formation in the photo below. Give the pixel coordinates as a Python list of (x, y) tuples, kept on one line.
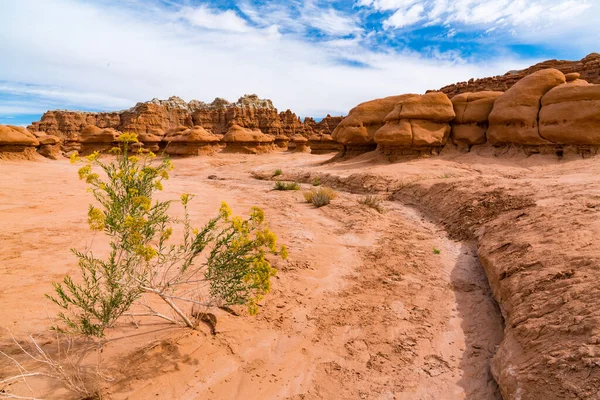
[(183, 141), (323, 143), (570, 114), (588, 68), (281, 142), (357, 130), (49, 146), (16, 139), (326, 126), (417, 121), (156, 117), (150, 141), (300, 144), (248, 141), (514, 117), (65, 123), (290, 125), (472, 111), (93, 139)]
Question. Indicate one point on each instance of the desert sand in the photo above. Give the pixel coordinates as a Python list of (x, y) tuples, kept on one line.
[(363, 308)]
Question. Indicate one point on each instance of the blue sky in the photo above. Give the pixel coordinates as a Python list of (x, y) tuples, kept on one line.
[(314, 57)]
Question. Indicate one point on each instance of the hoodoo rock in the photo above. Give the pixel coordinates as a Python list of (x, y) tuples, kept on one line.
[(322, 144), (514, 118), (357, 130), (93, 139), (16, 139), (281, 142), (151, 141), (472, 111), (570, 114), (417, 121), (49, 146), (248, 141), (300, 144), (194, 141)]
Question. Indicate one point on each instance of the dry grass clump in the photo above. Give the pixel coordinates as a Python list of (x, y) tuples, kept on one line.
[(286, 186), (372, 201), (320, 197), (66, 367)]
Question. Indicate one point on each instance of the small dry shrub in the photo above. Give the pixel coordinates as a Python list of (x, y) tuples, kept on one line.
[(320, 197), (286, 186), (372, 201)]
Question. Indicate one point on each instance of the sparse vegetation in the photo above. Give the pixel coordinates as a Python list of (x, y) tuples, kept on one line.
[(436, 251), (317, 181), (279, 185), (320, 197), (277, 172), (66, 368), (221, 263), (372, 201)]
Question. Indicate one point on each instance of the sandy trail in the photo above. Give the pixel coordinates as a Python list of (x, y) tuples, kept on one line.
[(363, 308)]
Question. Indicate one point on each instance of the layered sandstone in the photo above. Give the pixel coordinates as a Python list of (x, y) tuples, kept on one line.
[(247, 141), (93, 139), (326, 126), (472, 111), (299, 144), (570, 114), (514, 117), (323, 143), (588, 68), (16, 139), (65, 124), (417, 121), (156, 117), (357, 130), (183, 141), (49, 146), (281, 142)]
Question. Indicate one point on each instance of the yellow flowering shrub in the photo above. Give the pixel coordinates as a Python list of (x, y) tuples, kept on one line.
[(224, 262)]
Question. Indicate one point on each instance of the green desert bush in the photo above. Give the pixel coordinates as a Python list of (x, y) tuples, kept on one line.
[(317, 181), (277, 172), (221, 263), (372, 201), (320, 197), (286, 186)]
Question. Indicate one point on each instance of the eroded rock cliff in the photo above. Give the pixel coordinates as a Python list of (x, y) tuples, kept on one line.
[(157, 117), (588, 68)]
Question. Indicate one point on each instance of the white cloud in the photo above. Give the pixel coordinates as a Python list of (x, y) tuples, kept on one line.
[(332, 22), (384, 5), (204, 17), (297, 17), (107, 56), (405, 17), (522, 14), (57, 95)]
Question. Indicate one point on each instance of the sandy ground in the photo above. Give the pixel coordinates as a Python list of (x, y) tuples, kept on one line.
[(362, 309)]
